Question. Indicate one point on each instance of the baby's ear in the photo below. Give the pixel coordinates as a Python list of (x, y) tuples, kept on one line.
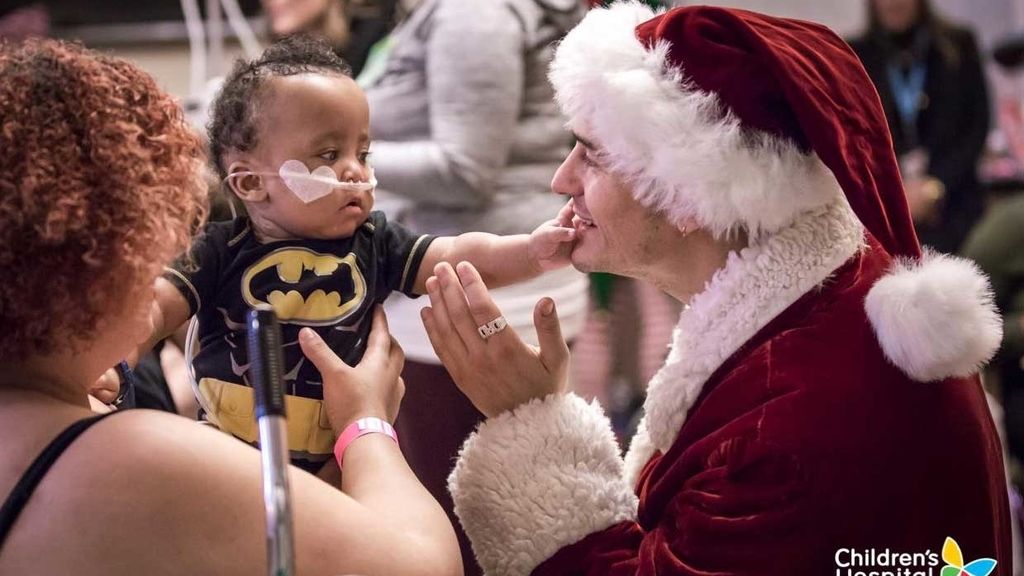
[(245, 182)]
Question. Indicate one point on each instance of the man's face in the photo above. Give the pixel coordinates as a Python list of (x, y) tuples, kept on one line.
[(615, 233)]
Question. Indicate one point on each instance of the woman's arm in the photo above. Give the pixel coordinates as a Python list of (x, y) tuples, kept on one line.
[(169, 311), (152, 493), (475, 74), (957, 165)]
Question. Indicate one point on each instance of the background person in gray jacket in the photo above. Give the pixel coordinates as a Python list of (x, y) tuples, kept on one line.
[(467, 136)]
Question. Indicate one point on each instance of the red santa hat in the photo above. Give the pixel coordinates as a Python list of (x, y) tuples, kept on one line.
[(739, 120)]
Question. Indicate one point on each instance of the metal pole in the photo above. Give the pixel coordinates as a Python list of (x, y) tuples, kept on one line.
[(268, 387)]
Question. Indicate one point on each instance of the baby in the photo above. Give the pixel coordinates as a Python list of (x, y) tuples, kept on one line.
[(290, 137)]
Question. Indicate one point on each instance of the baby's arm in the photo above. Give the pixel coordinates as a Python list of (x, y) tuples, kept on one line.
[(504, 260), (169, 311)]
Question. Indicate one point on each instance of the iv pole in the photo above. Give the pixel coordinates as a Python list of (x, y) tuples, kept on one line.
[(264, 336)]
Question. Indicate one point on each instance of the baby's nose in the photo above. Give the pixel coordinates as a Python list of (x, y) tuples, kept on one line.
[(354, 172)]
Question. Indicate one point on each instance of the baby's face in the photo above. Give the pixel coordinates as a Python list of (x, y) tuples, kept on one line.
[(320, 120)]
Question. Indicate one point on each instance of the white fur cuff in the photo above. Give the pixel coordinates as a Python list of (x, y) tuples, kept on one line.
[(534, 480)]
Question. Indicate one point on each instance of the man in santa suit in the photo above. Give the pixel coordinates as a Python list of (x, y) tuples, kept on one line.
[(820, 404)]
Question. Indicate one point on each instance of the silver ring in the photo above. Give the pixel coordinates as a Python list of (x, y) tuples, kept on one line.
[(492, 327)]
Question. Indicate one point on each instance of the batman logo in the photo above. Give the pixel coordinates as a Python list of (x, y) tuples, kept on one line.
[(305, 287)]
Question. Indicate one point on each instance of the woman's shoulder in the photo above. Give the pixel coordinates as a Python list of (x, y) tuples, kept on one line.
[(139, 489), (959, 32), (151, 443), (150, 449)]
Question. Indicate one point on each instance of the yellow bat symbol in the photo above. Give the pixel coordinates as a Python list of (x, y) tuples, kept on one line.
[(318, 308)]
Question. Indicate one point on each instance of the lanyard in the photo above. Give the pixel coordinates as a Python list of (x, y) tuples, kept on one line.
[(907, 92)]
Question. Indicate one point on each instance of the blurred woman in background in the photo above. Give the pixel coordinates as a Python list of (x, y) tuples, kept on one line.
[(467, 136), (929, 75), (351, 26)]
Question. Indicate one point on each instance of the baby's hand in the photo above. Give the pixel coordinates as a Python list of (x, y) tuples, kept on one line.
[(552, 242), (107, 387)]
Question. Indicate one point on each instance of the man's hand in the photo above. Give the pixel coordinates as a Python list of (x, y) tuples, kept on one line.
[(500, 372)]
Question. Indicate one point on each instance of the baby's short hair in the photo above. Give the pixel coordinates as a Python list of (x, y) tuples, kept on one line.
[(233, 121)]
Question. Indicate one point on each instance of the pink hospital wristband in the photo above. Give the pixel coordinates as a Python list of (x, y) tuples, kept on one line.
[(362, 427)]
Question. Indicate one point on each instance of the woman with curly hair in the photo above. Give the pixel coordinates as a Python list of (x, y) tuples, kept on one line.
[(99, 187)]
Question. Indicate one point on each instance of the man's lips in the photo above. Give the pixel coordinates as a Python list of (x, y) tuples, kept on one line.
[(580, 222), (581, 217)]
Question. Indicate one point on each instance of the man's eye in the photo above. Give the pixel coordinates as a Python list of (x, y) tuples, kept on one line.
[(589, 161)]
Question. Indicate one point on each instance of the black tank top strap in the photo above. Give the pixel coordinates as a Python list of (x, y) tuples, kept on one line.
[(23, 490)]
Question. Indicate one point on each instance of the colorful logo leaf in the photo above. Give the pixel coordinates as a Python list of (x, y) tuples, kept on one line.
[(954, 559)]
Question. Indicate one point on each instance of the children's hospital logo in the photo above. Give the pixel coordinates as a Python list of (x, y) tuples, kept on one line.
[(955, 566), (874, 562)]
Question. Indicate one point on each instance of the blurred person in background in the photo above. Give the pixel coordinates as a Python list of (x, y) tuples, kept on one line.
[(467, 136), (929, 76), (995, 245), (351, 26), (623, 343), (996, 241), (23, 19)]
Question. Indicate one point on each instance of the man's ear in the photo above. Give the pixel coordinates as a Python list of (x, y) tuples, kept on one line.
[(687, 225), (245, 183)]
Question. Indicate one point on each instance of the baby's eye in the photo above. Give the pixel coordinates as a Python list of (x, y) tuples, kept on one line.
[(330, 155), (364, 157)]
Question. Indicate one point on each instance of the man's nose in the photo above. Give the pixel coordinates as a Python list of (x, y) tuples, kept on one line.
[(566, 180)]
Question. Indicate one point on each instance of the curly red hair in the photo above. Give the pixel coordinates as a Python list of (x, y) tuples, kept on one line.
[(100, 185)]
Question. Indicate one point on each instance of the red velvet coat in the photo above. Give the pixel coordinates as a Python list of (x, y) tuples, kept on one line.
[(806, 441), (802, 441)]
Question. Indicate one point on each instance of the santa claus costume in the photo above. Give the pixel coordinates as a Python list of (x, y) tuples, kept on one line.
[(821, 395)]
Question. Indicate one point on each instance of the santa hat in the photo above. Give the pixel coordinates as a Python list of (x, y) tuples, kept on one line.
[(738, 120)]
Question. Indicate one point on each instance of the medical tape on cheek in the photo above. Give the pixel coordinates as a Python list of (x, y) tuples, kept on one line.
[(311, 186)]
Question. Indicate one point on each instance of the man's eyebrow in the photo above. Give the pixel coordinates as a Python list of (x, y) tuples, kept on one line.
[(586, 143)]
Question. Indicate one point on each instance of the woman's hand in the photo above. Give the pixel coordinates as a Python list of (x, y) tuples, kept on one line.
[(501, 372), (373, 387), (924, 196)]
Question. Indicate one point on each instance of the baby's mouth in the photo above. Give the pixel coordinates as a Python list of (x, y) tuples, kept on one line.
[(355, 201)]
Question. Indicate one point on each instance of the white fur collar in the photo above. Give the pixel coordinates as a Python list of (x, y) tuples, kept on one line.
[(754, 287)]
